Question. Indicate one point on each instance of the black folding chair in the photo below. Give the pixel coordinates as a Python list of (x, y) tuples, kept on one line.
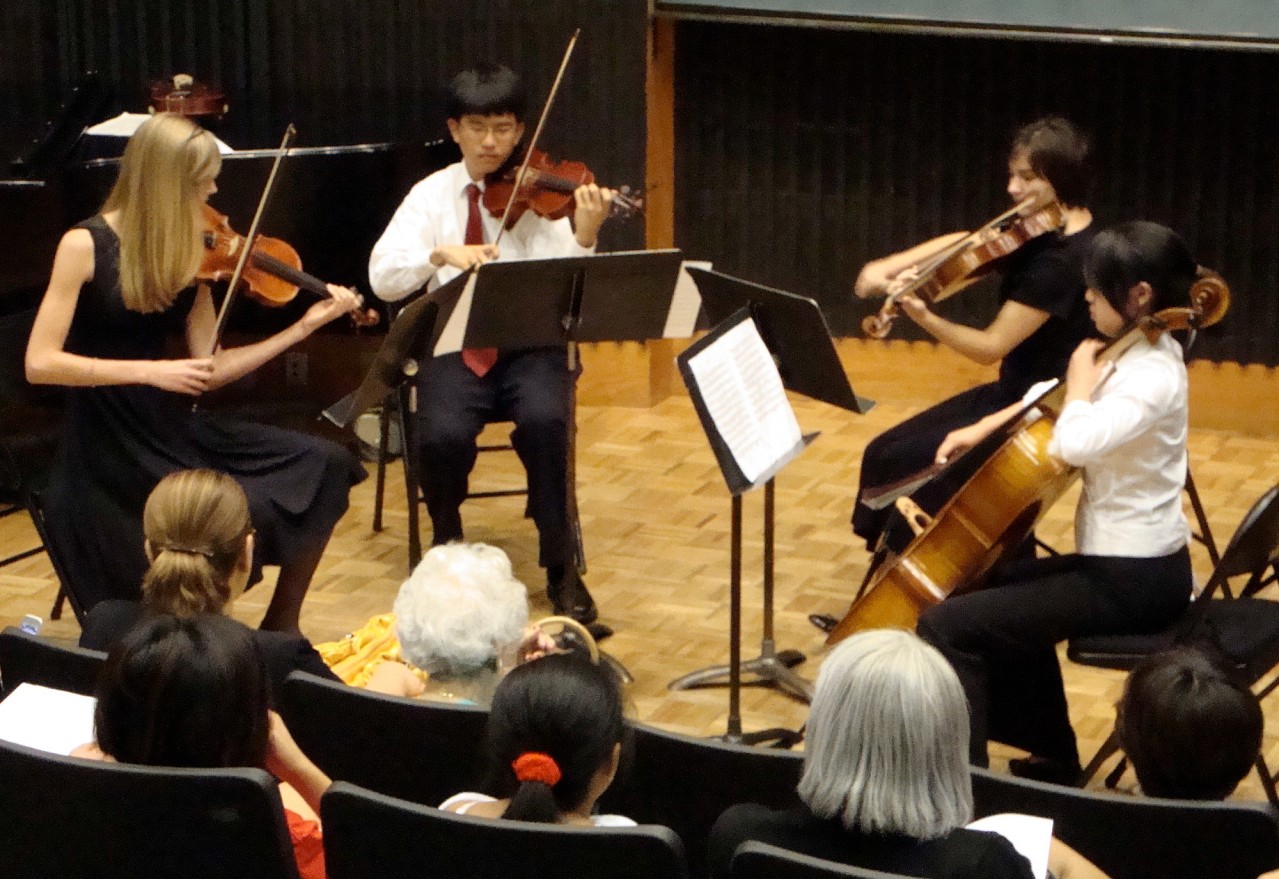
[(69, 817), (370, 836), (1130, 837), (759, 860), (1244, 629), (685, 783), (27, 658), (413, 749)]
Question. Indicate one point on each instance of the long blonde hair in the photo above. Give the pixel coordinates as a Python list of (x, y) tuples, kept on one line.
[(166, 165), (196, 523)]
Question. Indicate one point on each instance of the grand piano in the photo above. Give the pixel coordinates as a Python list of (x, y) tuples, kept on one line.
[(330, 202)]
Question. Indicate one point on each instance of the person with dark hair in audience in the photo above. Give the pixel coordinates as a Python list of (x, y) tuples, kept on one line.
[(1190, 726), (1041, 317), (192, 693), (441, 230), (886, 784), (199, 542), (1123, 422), (554, 739)]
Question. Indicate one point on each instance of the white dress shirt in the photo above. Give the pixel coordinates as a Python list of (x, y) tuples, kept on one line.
[(1130, 440), (434, 214)]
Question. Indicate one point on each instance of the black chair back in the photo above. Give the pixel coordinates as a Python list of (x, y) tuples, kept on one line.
[(685, 783), (1254, 544), (759, 860), (370, 836), (69, 817), (26, 658), (413, 749), (1132, 837)]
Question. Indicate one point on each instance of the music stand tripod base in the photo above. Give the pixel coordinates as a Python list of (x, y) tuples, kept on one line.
[(769, 668)]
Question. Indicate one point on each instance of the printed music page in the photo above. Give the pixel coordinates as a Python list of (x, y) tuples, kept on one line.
[(49, 720), (743, 393), (1030, 835)]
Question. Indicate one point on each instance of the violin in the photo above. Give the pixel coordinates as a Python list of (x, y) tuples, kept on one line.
[(189, 98), (1011, 488), (273, 273), (968, 260), (547, 190)]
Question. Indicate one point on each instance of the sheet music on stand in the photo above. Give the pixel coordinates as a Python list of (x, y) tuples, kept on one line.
[(738, 394)]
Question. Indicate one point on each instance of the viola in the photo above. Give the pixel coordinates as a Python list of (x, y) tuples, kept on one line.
[(547, 190), (273, 274), (1010, 490), (968, 260), (189, 98)]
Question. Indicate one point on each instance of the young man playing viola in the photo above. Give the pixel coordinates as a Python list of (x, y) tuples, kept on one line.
[(442, 229), (1041, 319)]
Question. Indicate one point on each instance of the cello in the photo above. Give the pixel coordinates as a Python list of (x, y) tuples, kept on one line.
[(999, 506)]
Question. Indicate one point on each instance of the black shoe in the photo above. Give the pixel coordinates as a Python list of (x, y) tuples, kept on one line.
[(569, 596), (1050, 771), (825, 622)]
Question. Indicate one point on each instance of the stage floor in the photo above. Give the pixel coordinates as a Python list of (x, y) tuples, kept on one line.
[(655, 515)]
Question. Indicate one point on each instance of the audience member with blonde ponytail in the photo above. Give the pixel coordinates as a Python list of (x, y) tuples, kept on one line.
[(199, 542)]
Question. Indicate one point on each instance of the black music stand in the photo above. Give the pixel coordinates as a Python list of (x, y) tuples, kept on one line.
[(731, 441), (796, 334), (613, 297)]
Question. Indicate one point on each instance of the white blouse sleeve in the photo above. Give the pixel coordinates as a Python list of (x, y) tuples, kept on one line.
[(1089, 431)]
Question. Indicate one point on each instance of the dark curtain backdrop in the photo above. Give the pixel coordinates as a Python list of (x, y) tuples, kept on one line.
[(802, 153), (343, 71)]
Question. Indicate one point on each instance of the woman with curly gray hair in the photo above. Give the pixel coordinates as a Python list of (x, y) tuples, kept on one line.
[(459, 621)]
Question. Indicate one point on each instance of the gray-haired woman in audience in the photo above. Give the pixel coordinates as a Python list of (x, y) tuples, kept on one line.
[(886, 784), (460, 621)]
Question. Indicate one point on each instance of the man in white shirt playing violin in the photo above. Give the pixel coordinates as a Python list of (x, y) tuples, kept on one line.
[(442, 229)]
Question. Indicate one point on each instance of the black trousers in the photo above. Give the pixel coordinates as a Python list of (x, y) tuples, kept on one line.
[(530, 387), (911, 446), (1002, 640)]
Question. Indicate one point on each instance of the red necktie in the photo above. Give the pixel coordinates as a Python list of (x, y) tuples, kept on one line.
[(477, 360)]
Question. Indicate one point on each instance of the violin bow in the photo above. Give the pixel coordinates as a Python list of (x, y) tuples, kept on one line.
[(537, 132), (250, 238)]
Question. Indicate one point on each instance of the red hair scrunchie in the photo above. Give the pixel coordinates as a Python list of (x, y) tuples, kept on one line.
[(536, 766)]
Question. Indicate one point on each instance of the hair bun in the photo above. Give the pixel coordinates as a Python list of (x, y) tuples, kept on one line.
[(536, 766)]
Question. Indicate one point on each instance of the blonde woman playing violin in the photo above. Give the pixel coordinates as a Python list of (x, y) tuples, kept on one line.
[(120, 287)]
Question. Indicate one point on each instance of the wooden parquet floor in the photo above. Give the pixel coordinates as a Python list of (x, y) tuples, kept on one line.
[(656, 520)]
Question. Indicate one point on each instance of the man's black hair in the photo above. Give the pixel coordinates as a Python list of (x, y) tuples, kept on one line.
[(485, 90)]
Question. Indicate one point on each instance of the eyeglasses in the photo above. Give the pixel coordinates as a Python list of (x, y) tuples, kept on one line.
[(499, 130)]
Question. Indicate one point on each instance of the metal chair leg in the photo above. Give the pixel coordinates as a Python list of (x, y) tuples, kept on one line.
[(1108, 749)]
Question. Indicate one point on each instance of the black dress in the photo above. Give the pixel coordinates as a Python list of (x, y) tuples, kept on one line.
[(1046, 274), (120, 440)]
